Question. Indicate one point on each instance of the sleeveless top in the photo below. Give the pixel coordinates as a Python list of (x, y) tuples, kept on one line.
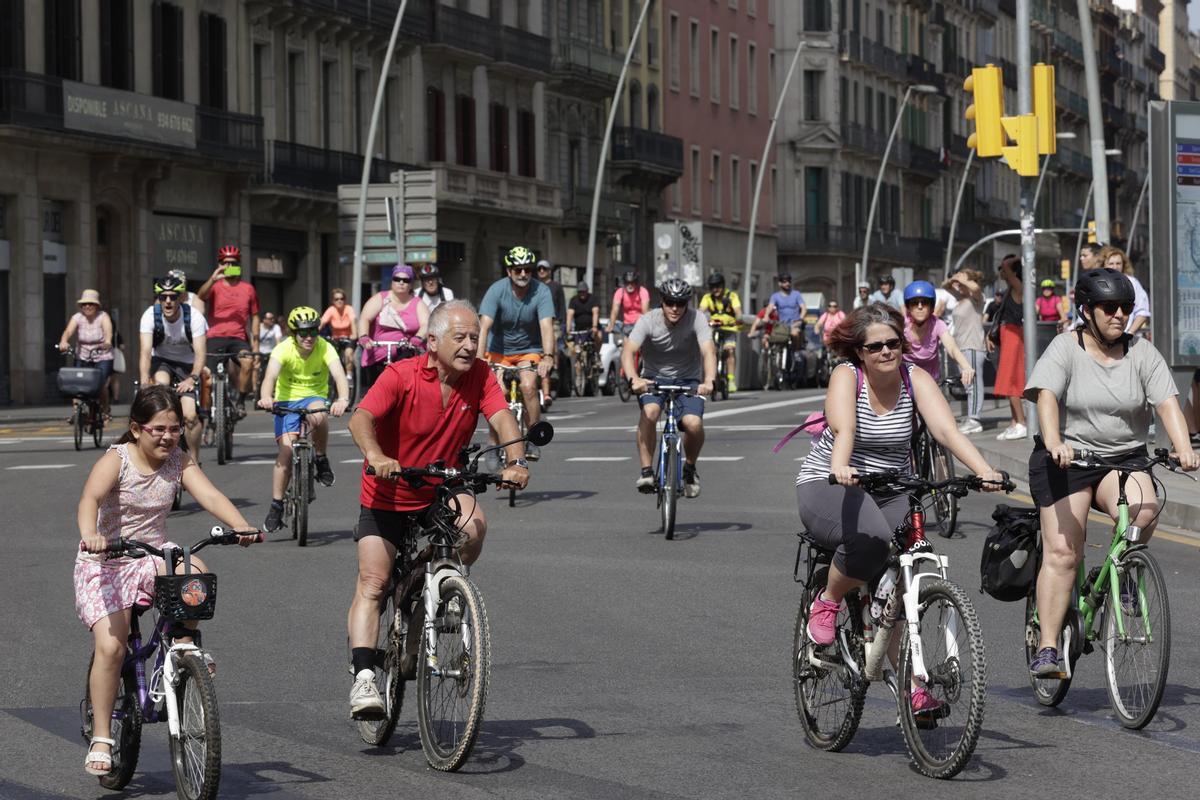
[(881, 441), (138, 505), (391, 325), (1049, 308), (91, 337)]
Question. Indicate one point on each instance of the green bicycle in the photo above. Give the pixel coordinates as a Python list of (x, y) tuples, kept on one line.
[(1122, 606)]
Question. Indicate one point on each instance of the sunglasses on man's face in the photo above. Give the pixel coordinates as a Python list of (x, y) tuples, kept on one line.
[(306, 333), (168, 298), (1111, 307), (674, 303), (520, 270), (877, 347), (339, 299), (920, 301)]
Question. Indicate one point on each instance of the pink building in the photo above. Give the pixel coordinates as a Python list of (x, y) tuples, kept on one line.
[(719, 59)]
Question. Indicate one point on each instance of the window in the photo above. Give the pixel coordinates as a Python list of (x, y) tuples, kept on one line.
[(329, 102), (714, 65), (673, 56), (635, 9), (498, 137), (652, 123), (677, 195), (12, 37), (734, 89), (735, 189), (754, 182), (297, 97), (869, 106), (695, 175), (362, 104), (715, 179), (61, 41), (694, 58), (262, 76), (771, 76), (464, 124), (212, 61), (116, 44), (752, 77), (526, 133), (435, 124), (167, 50), (652, 37), (817, 15), (751, 8), (618, 39), (814, 81)]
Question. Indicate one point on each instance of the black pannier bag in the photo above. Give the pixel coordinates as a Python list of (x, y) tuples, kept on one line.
[(1008, 568)]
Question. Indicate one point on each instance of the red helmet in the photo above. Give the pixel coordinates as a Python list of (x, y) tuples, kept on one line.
[(229, 253)]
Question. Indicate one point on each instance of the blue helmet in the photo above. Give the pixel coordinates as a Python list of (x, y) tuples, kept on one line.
[(919, 289)]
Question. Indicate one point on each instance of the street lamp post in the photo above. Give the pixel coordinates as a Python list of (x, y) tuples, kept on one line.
[(923, 88), (762, 163), (962, 185), (1045, 162)]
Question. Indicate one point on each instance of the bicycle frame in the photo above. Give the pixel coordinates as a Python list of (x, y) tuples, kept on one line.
[(670, 433), (165, 662)]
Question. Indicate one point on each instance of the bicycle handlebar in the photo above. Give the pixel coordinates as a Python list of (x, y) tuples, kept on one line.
[(415, 476), (136, 549), (280, 411), (678, 388), (896, 479), (1088, 459)]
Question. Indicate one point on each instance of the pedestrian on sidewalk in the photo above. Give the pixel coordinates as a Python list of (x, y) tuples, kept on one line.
[(1008, 335), (1139, 320), (968, 334)]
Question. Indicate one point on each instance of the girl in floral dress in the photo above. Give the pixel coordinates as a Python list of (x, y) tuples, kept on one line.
[(129, 494)]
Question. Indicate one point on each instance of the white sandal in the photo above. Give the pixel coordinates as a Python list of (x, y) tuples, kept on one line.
[(97, 756)]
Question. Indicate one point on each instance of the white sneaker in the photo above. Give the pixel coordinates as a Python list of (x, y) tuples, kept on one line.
[(969, 426), (365, 702), (1013, 432)]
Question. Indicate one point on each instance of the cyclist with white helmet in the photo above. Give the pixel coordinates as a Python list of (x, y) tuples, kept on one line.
[(925, 332), (174, 340), (297, 377), (433, 292), (677, 348)]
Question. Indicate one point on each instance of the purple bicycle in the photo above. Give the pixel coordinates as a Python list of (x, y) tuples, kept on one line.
[(179, 688)]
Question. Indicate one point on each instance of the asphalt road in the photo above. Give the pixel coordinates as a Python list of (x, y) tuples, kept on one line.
[(625, 666)]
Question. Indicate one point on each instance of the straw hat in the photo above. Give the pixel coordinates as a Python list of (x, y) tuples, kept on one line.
[(88, 296)]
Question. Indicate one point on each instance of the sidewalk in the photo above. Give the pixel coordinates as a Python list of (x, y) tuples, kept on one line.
[(48, 415), (1182, 507)]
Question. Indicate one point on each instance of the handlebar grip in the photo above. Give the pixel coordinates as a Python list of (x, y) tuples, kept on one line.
[(832, 479), (370, 470)]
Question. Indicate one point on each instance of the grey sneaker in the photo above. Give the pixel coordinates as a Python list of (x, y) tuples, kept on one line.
[(691, 483), (365, 702), (969, 426), (532, 452), (491, 462), (1045, 663), (645, 481)]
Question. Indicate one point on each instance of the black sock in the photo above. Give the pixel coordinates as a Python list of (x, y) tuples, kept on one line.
[(647, 472), (276, 504), (362, 658)]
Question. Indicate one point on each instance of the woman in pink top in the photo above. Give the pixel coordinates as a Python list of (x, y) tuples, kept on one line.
[(628, 304), (925, 332), (129, 494), (1050, 307), (832, 317), (397, 315), (93, 330)]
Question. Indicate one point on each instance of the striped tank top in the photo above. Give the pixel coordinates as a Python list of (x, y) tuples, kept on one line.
[(881, 441)]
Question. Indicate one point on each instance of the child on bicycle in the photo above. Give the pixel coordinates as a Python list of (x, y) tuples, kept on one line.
[(129, 494), (298, 376)]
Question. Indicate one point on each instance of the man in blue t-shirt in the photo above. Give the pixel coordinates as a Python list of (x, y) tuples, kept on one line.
[(516, 323), (789, 304)]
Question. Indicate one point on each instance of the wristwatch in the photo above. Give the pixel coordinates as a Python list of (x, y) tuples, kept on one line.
[(519, 462)]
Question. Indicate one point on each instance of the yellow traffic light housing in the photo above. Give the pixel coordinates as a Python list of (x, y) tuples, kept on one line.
[(1091, 231), (1044, 108), (986, 85), (1022, 155)]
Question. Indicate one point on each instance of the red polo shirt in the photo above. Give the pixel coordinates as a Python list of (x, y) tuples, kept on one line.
[(414, 428)]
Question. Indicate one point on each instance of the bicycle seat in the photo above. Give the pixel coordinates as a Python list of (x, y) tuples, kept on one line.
[(804, 535)]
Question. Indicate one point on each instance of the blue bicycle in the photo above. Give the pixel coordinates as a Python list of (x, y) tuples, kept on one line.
[(668, 461)]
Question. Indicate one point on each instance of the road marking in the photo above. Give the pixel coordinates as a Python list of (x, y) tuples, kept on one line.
[(255, 463), (598, 458), (797, 401), (351, 461), (721, 458), (1104, 519), (42, 466)]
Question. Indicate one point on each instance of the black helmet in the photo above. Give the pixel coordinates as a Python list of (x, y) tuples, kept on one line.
[(430, 271), (716, 279), (169, 283), (676, 289), (630, 276), (886, 279), (1102, 285), (784, 277)]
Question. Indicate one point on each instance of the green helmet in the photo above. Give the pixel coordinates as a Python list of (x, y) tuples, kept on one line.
[(303, 318), (519, 256), (1047, 284)]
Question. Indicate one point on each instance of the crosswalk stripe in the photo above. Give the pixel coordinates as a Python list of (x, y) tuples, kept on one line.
[(598, 458), (721, 458), (42, 466)]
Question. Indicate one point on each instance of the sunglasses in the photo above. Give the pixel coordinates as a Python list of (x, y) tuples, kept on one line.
[(920, 301), (306, 334), (1110, 307), (342, 299), (675, 303), (159, 431), (401, 279), (168, 298), (877, 347), (520, 270)]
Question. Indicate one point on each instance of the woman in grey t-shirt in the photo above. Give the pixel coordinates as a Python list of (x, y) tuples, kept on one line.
[(1096, 389)]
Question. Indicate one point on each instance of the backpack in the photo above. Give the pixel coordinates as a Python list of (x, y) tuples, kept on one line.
[(815, 423), (1009, 565), (160, 330)]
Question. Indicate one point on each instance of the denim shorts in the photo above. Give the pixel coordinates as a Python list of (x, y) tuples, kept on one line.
[(685, 405), (291, 423)]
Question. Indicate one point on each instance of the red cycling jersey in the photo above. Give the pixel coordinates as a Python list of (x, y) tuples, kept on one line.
[(627, 306)]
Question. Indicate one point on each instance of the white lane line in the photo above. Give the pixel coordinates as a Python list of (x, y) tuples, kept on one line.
[(598, 458), (42, 466), (721, 458), (255, 463), (797, 401), (351, 461)]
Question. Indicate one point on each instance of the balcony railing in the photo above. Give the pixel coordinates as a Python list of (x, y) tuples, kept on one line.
[(1007, 7), (379, 14), (524, 49), (305, 167), (1155, 59), (579, 205), (847, 240), (1068, 45), (497, 193), (922, 71), (224, 134), (987, 8), (583, 59), (656, 150), (466, 31), (1042, 15)]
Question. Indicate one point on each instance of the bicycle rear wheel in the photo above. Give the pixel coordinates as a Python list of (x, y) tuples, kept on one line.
[(387, 676), (945, 504), (1135, 665), (196, 751), (125, 729), (1048, 691), (941, 742), (579, 374), (623, 389), (79, 421), (829, 698), (452, 683), (220, 415), (301, 487), (669, 488)]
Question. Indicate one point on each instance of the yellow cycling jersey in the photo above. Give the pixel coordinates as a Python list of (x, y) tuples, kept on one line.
[(726, 310), (301, 378)]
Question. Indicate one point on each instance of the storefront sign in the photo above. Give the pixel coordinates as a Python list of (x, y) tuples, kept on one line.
[(268, 265), (97, 109), (184, 243)]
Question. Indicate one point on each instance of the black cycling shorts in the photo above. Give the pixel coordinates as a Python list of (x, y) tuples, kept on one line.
[(178, 370), (394, 527), (226, 346), (1049, 483)]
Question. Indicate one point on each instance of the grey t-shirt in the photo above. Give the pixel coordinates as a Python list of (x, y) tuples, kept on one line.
[(1102, 407), (672, 351)]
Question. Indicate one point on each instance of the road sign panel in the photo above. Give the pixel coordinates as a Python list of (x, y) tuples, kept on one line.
[(420, 256)]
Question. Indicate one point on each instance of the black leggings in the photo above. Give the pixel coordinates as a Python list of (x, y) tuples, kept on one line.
[(856, 526)]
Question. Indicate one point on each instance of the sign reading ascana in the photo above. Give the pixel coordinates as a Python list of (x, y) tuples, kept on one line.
[(97, 109)]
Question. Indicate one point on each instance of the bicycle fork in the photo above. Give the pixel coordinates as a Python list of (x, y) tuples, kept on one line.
[(430, 595), (170, 682)]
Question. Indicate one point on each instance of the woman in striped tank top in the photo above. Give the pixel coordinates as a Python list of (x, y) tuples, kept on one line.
[(870, 433)]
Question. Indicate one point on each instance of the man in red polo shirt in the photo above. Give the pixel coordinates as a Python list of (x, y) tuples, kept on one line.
[(420, 410)]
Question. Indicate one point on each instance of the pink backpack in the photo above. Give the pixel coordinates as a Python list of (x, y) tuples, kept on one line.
[(815, 423)]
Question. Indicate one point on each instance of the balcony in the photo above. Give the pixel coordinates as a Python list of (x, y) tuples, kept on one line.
[(1041, 16), (1008, 72), (496, 193), (865, 140), (988, 9), (377, 14), (1069, 46), (882, 58), (578, 208), (1072, 103), (1110, 62), (524, 49), (920, 5), (919, 159), (923, 71), (584, 68), (818, 240), (1155, 61), (466, 32), (303, 167), (36, 101), (966, 231), (648, 158)]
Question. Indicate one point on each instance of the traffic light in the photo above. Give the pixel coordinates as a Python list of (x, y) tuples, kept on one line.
[(1044, 108), (987, 88), (1022, 155), (1091, 236)]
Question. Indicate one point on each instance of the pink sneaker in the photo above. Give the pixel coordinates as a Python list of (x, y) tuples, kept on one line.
[(926, 704), (822, 620)]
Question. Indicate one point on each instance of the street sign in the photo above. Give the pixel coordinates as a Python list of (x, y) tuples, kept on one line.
[(1175, 231), (416, 214)]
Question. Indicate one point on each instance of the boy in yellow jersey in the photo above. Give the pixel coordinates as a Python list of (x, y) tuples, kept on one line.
[(297, 376), (724, 311)]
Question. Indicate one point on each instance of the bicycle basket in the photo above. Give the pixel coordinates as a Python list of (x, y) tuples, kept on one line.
[(191, 596), (85, 381)]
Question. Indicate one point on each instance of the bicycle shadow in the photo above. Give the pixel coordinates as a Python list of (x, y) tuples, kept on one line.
[(690, 530), (961, 529), (1095, 702), (885, 741), (189, 506), (525, 499)]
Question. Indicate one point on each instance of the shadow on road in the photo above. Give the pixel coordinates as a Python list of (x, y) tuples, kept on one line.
[(525, 499), (689, 530), (886, 741)]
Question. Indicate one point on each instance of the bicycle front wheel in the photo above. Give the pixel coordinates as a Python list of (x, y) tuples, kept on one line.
[(941, 740), (623, 389), (1135, 664), (670, 488), (97, 425), (829, 698), (301, 484), (387, 677), (579, 374), (196, 751), (79, 420), (455, 669), (220, 415)]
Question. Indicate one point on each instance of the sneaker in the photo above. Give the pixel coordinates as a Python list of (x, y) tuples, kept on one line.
[(970, 425), (532, 452), (926, 704), (365, 702), (822, 620), (491, 461), (691, 482), (324, 471), (645, 482), (1045, 662), (1012, 432), (274, 518), (732, 384)]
